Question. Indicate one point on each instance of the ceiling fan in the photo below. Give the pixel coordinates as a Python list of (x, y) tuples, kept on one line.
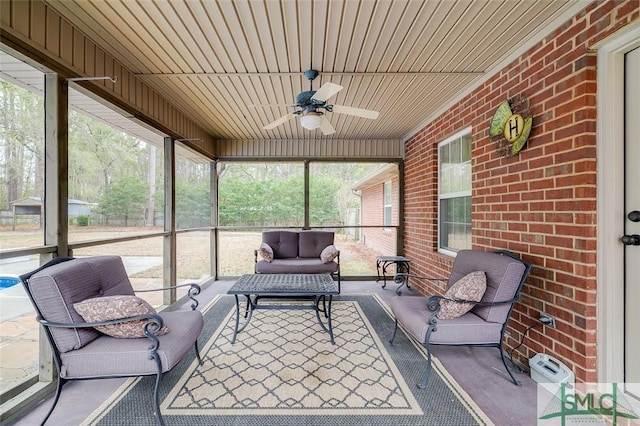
[(312, 107)]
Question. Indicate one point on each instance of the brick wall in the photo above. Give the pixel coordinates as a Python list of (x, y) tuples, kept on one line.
[(540, 203), (383, 241)]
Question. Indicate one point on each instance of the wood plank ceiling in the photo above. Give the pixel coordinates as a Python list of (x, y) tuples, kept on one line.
[(407, 59)]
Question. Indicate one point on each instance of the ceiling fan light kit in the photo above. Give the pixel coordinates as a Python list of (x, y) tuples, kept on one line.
[(311, 120), (310, 105)]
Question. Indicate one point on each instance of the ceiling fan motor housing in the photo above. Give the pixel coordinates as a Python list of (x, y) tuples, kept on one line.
[(304, 98), (304, 101)]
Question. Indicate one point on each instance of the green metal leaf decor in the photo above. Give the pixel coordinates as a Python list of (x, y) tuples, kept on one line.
[(518, 144), (500, 119)]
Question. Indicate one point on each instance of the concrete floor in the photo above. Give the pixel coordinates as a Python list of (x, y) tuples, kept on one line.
[(479, 371)]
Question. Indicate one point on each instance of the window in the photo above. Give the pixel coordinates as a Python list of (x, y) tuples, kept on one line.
[(454, 216), (257, 196), (22, 166), (193, 193), (261, 194), (388, 203)]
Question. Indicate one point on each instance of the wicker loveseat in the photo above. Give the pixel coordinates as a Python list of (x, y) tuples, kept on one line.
[(292, 252)]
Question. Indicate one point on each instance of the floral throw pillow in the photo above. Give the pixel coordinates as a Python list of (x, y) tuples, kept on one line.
[(470, 287), (329, 253), (117, 307), (266, 252)]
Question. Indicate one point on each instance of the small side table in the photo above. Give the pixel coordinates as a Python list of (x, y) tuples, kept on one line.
[(403, 265)]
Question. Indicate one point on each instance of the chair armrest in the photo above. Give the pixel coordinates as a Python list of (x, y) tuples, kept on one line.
[(433, 302), (152, 318), (154, 323), (194, 290)]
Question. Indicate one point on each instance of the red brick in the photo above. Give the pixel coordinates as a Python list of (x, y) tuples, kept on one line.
[(559, 169), (558, 217), (559, 194), (558, 123)]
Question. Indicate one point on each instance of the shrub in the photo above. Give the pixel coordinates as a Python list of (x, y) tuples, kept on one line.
[(83, 220)]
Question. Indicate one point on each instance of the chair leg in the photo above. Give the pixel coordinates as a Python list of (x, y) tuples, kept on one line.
[(395, 329), (153, 354), (197, 352), (427, 373), (156, 400), (504, 362), (59, 385)]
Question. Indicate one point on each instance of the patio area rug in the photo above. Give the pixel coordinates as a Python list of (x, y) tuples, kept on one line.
[(283, 370)]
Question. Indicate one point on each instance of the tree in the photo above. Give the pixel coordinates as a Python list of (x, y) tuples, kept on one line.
[(21, 143), (193, 204), (323, 195), (125, 198), (151, 180), (99, 155), (272, 194)]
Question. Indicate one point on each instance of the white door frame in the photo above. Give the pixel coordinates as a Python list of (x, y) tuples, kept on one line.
[(610, 201)]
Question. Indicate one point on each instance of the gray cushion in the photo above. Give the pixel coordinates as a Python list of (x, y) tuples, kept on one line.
[(109, 356), (283, 243), (412, 313), (312, 243), (57, 288), (115, 280), (503, 277), (296, 266)]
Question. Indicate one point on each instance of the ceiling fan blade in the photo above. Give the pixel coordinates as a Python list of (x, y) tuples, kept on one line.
[(279, 121), (358, 112), (326, 91), (326, 127)]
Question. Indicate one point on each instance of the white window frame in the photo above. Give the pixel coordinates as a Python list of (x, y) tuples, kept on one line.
[(451, 195), (387, 201)]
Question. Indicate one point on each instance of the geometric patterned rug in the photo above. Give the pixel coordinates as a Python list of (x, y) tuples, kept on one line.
[(283, 370)]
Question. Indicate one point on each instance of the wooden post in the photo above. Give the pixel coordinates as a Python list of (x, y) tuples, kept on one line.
[(169, 263), (214, 237), (307, 214), (400, 233), (56, 150)]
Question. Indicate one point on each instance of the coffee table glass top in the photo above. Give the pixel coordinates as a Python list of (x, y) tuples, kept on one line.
[(287, 284)]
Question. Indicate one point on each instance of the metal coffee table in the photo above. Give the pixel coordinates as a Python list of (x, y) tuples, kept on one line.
[(317, 288)]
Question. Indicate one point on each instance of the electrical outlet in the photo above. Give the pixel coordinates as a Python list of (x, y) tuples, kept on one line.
[(547, 320)]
